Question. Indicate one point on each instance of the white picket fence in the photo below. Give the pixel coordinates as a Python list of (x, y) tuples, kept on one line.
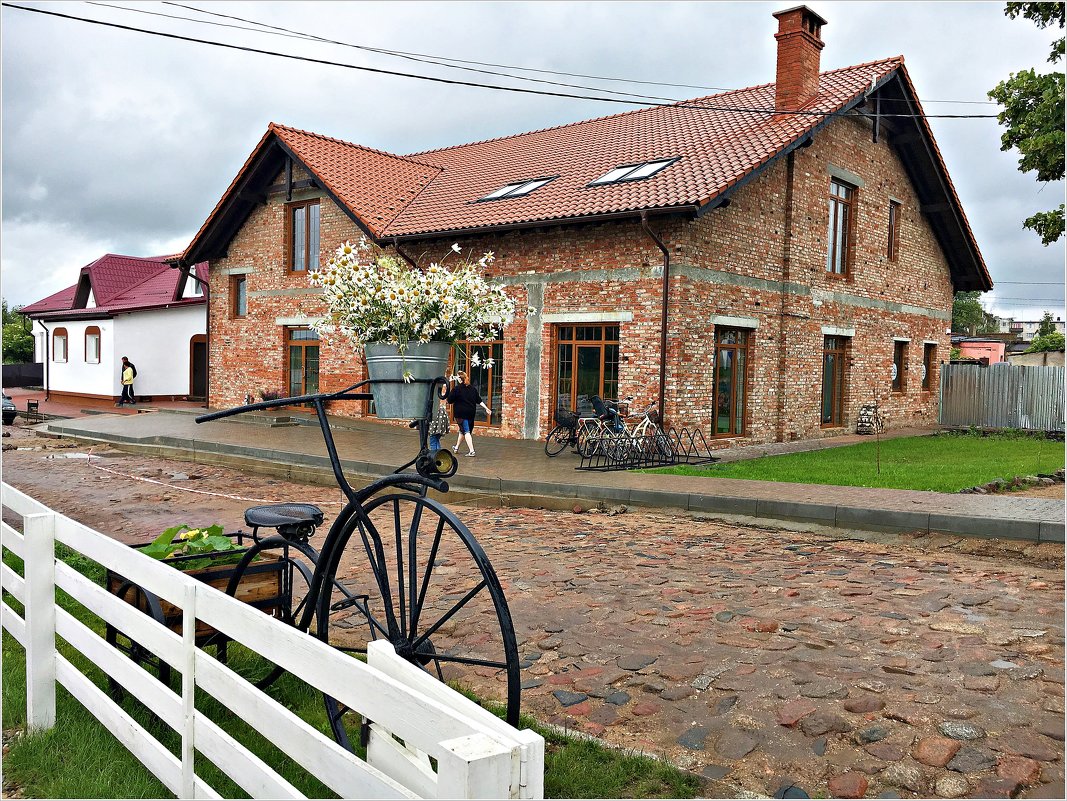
[(478, 755)]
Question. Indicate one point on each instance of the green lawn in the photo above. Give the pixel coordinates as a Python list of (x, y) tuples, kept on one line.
[(79, 758), (945, 462)]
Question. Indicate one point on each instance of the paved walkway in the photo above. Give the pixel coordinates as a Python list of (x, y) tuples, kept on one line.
[(519, 473), (66, 407)]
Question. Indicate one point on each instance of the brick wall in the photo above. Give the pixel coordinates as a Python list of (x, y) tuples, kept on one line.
[(729, 262)]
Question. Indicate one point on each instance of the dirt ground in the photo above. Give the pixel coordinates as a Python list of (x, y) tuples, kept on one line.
[(848, 664)]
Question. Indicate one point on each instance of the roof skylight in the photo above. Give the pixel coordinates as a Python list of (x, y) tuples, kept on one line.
[(518, 189), (633, 172)]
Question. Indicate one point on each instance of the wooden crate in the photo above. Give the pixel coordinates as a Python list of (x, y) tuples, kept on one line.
[(261, 587)]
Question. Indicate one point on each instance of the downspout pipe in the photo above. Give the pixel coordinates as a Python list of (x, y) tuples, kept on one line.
[(47, 355), (664, 308), (403, 255)]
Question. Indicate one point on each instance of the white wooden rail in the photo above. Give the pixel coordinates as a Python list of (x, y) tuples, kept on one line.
[(478, 755)]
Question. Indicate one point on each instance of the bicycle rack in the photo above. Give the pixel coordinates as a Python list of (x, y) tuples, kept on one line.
[(659, 449)]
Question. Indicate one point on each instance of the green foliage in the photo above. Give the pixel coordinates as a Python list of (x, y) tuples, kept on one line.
[(970, 317), (1047, 325), (1033, 117), (185, 541), (941, 464), (18, 341), (1046, 343), (955, 353)]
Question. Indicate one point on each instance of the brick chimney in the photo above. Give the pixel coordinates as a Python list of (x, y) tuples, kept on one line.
[(799, 44)]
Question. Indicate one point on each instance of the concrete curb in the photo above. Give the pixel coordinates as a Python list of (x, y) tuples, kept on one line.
[(316, 469)]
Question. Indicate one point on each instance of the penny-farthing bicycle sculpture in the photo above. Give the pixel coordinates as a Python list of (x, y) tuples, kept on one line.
[(395, 565)]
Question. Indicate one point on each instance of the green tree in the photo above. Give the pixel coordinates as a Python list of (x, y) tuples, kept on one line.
[(1048, 342), (1033, 116), (1047, 326), (970, 317), (18, 341)]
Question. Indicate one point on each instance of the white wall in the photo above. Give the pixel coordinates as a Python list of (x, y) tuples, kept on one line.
[(157, 341), (74, 375)]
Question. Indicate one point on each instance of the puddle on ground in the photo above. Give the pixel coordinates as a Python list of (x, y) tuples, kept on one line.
[(68, 455)]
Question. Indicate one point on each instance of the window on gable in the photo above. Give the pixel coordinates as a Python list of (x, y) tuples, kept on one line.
[(633, 172), (838, 245), (518, 189), (59, 345), (239, 295), (893, 246), (303, 235), (92, 345)]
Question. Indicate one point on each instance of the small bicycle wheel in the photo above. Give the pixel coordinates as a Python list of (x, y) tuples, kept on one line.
[(274, 576), (432, 593), (557, 440), (155, 665)]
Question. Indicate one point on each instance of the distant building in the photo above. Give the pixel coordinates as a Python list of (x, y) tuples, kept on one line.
[(1026, 329), (982, 348)]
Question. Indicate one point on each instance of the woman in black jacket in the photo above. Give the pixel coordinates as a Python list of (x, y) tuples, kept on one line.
[(465, 400)]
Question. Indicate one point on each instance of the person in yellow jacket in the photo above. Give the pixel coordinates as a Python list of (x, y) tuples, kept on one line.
[(129, 372)]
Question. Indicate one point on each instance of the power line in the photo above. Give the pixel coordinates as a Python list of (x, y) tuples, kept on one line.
[(454, 82), (418, 56)]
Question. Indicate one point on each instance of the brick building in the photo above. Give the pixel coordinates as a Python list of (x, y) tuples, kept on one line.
[(765, 260)]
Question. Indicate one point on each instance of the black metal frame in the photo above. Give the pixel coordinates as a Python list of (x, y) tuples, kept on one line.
[(622, 451)]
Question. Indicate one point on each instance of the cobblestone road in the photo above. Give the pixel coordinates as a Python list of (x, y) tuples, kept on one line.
[(758, 657)]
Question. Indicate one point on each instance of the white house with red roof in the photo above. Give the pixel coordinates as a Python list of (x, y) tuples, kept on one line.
[(142, 308)]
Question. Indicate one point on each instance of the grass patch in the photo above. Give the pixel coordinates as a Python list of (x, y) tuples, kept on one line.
[(946, 462), (79, 758)]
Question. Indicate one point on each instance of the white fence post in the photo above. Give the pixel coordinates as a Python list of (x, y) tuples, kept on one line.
[(40, 573), (475, 766), (189, 692)]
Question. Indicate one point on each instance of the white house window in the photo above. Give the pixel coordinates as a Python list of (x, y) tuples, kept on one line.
[(92, 345), (517, 189), (59, 345)]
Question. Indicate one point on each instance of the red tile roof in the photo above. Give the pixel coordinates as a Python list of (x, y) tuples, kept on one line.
[(119, 284)]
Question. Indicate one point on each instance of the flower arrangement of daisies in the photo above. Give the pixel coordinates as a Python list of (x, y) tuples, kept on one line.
[(379, 298)]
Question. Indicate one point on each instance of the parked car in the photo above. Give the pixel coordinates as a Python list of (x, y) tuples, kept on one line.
[(9, 410)]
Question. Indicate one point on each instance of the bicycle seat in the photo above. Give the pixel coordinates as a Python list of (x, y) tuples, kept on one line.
[(602, 410), (290, 519)]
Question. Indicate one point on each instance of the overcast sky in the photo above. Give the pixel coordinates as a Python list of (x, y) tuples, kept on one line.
[(114, 141)]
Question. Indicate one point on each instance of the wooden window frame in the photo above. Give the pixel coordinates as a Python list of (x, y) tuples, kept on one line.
[(574, 342), (849, 203), (304, 343), (290, 210), (237, 281), (838, 384), (746, 348), (92, 330), (893, 245), (466, 344), (899, 385), (929, 364), (61, 333)]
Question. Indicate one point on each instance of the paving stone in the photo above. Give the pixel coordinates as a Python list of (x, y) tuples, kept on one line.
[(791, 713), (971, 760), (694, 738), (1051, 728), (568, 698), (872, 685), (617, 698), (848, 785), (529, 684), (604, 714), (653, 686), (1002, 664), (1028, 745), (978, 669), (724, 705), (1018, 768), (635, 662), (824, 689), (715, 772), (904, 776), (871, 734), (677, 693), (961, 731), (1025, 673), (643, 710), (867, 703), (887, 752), (935, 751), (982, 684), (824, 723), (996, 787), (819, 746), (949, 786), (735, 744), (790, 790)]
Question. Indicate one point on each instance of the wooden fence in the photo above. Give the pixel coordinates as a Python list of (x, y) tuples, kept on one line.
[(477, 754), (1002, 396)]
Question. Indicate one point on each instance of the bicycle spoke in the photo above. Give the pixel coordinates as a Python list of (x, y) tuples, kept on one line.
[(397, 528), (416, 611), (413, 531), (360, 602), (463, 602), (466, 660)]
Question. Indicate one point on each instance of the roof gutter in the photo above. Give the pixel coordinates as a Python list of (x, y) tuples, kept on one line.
[(664, 308)]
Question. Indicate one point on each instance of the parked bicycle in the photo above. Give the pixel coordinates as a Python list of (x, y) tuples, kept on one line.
[(394, 561), (623, 438)]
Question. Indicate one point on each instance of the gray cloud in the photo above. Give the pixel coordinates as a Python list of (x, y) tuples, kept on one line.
[(114, 141)]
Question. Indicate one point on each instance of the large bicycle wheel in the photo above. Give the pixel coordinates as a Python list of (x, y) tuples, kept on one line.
[(432, 593), (557, 440), (150, 605), (274, 576)]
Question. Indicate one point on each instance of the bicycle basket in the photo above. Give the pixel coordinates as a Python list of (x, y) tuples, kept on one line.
[(566, 418)]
